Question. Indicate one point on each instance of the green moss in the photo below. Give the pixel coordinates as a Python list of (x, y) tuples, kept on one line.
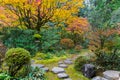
[(49, 61), (74, 75)]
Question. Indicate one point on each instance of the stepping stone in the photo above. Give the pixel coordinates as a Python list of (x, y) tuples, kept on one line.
[(38, 65), (63, 65), (60, 62), (69, 59), (58, 70), (46, 69), (112, 75), (68, 62), (62, 75), (32, 61), (99, 78), (68, 79)]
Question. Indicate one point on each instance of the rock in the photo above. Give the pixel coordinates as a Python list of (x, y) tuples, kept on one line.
[(68, 62), (32, 61), (111, 75), (68, 79), (88, 70), (45, 69), (63, 65), (60, 62), (62, 75), (99, 78), (58, 70), (69, 59), (38, 65)]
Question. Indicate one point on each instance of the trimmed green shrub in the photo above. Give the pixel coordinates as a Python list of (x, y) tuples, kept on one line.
[(18, 61)]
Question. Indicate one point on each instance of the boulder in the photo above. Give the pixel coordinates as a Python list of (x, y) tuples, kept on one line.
[(58, 70), (63, 65), (62, 75), (88, 70), (99, 78), (112, 75)]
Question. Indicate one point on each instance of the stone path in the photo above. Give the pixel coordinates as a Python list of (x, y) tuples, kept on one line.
[(58, 70)]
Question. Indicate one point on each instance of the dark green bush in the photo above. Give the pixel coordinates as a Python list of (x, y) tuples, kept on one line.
[(110, 61), (79, 62), (50, 39), (14, 37), (18, 61)]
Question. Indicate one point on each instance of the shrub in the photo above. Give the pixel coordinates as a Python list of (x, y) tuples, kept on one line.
[(78, 47), (79, 62), (15, 37), (18, 61), (67, 43), (50, 39), (109, 61)]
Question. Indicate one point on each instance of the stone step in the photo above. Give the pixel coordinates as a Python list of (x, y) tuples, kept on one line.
[(58, 70), (62, 75)]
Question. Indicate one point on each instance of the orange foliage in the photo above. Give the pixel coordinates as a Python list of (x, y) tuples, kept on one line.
[(78, 25), (67, 43)]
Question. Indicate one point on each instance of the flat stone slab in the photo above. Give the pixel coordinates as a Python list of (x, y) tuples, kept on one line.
[(99, 78), (68, 79), (69, 59), (38, 65), (60, 62), (62, 75), (45, 69), (111, 75), (58, 70), (63, 65), (32, 61), (68, 62)]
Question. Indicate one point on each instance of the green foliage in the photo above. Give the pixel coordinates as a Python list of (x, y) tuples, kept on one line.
[(115, 18), (4, 76), (35, 74), (50, 39), (79, 62), (14, 37), (18, 61), (109, 61)]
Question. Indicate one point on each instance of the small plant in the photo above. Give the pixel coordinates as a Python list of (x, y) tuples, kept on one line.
[(67, 43), (18, 61), (35, 74)]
